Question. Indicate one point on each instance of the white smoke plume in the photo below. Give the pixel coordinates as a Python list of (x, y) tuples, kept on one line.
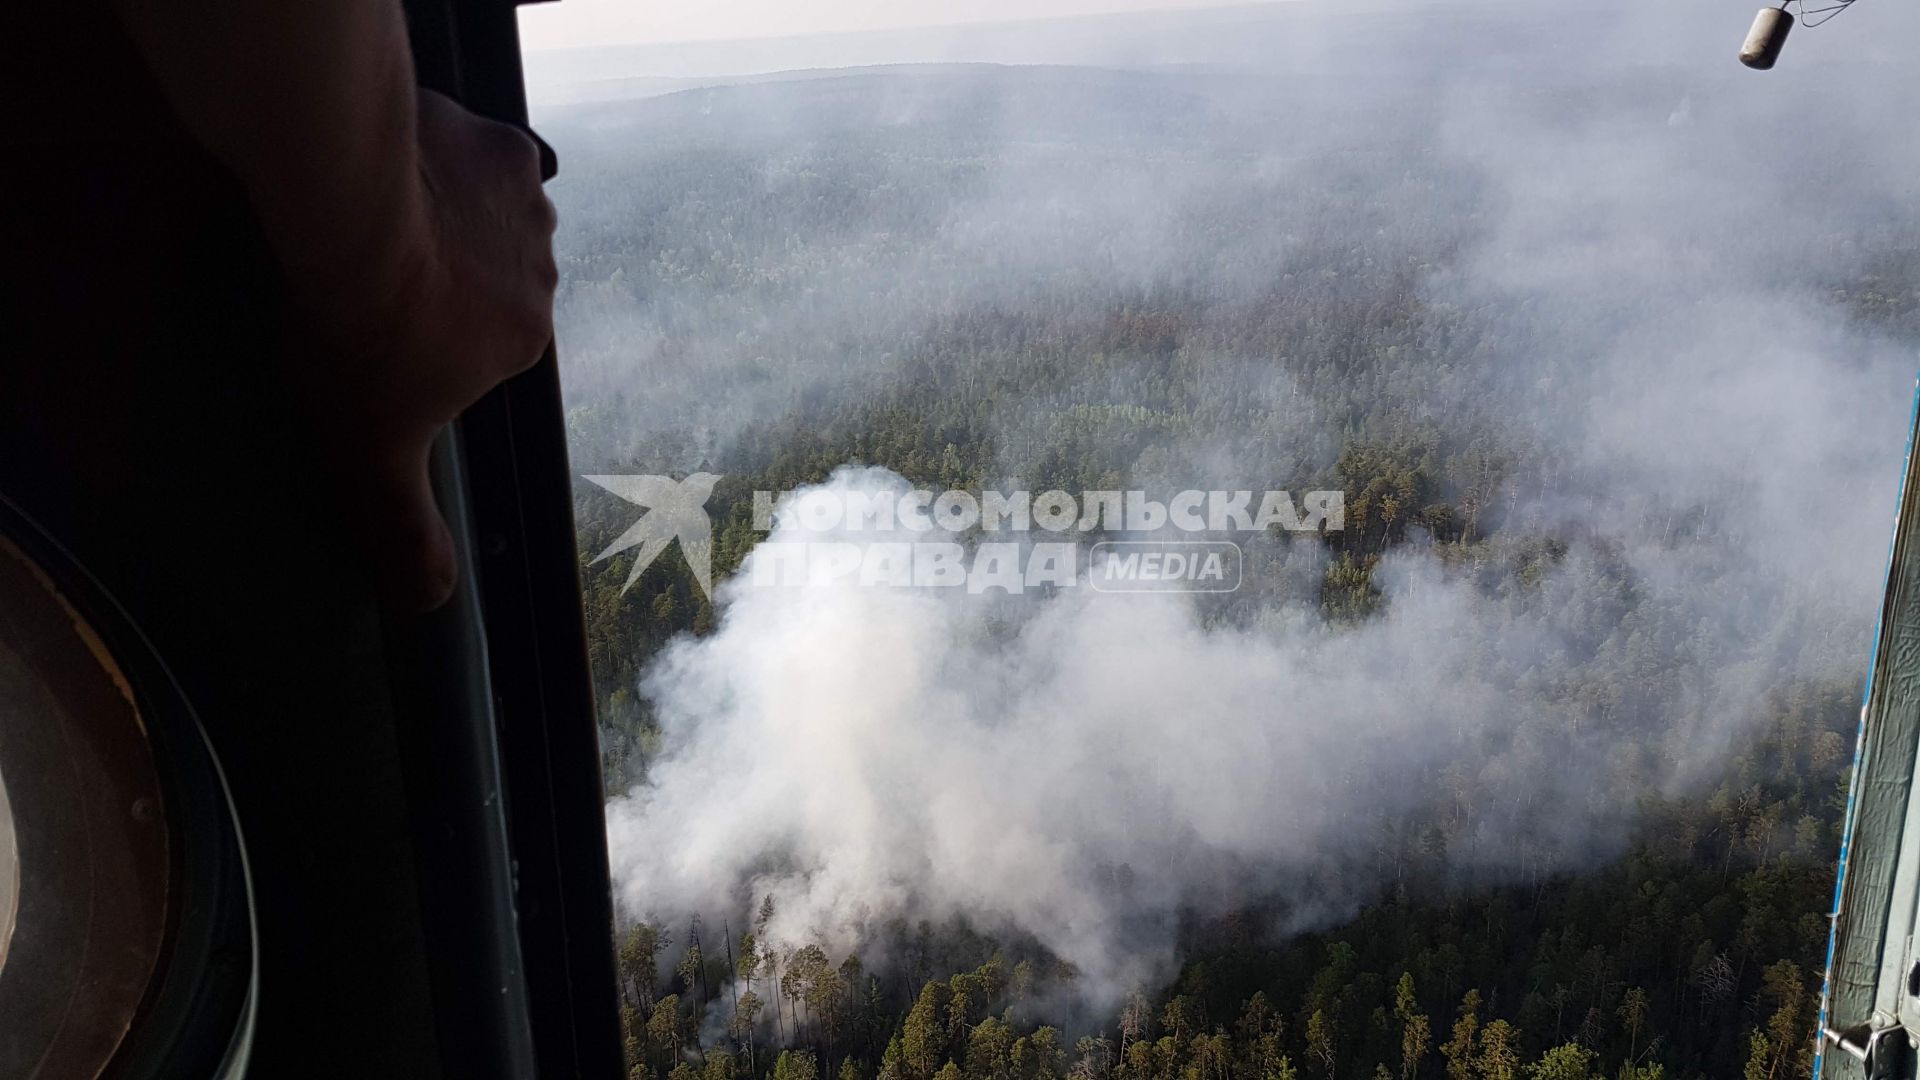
[(1085, 772)]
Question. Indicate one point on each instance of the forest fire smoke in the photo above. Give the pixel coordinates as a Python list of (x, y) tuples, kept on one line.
[(1640, 403)]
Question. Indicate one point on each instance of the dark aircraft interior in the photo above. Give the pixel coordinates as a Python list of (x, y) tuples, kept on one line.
[(262, 829)]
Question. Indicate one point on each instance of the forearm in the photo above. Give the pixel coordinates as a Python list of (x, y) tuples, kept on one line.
[(312, 107), (415, 238)]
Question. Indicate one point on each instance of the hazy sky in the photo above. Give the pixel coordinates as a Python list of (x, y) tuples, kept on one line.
[(616, 22)]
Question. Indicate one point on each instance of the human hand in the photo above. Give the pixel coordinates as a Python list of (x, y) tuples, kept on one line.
[(459, 300)]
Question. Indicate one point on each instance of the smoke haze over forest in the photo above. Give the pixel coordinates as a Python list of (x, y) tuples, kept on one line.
[(1609, 342)]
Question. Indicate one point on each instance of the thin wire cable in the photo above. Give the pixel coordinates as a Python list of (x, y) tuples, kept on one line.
[(1831, 11)]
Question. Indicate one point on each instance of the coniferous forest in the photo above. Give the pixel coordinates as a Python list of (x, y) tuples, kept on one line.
[(1576, 683)]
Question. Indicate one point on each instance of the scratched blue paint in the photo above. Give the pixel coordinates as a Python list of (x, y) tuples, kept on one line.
[(1859, 744)]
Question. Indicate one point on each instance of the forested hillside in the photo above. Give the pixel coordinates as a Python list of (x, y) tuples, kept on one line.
[(1575, 686)]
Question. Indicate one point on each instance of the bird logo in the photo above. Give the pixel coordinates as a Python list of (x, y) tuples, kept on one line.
[(675, 510)]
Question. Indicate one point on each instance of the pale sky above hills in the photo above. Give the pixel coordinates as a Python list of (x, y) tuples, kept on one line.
[(615, 22)]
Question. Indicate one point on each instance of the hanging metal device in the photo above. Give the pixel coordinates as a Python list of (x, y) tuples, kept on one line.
[(1768, 34)]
